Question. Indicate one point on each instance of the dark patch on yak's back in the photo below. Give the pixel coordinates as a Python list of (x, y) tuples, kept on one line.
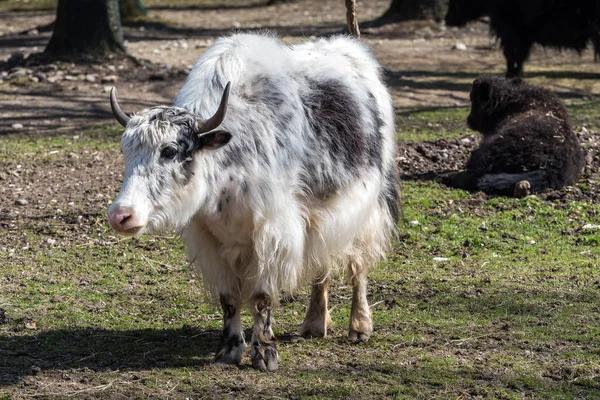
[(334, 116), (269, 92)]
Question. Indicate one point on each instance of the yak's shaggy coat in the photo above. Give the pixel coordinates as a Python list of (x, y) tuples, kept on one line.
[(526, 137), (307, 182)]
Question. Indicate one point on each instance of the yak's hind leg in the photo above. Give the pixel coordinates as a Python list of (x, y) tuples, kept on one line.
[(317, 319), (361, 325), (264, 352), (516, 51), (596, 43), (514, 184), (232, 346), (466, 180)]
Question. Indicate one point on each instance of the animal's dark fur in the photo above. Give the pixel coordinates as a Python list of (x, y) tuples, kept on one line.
[(341, 131), (562, 24), (526, 136)]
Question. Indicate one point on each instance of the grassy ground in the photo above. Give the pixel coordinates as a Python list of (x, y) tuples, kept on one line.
[(481, 298), (449, 122)]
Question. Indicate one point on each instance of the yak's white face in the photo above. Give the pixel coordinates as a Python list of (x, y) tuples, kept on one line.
[(162, 150), (162, 146)]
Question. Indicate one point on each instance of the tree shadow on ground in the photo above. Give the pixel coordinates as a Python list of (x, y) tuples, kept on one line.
[(414, 80), (155, 30), (54, 111), (580, 75), (177, 7), (207, 7), (419, 80), (23, 41)]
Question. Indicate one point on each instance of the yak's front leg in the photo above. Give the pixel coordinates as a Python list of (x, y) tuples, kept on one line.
[(361, 325), (232, 346), (264, 352)]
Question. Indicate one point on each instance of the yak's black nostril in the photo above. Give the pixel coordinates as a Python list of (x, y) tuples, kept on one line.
[(124, 220)]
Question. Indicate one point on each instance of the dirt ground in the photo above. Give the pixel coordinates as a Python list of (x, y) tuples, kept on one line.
[(424, 69)]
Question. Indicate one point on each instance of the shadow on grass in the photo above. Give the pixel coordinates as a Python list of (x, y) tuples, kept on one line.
[(99, 350)]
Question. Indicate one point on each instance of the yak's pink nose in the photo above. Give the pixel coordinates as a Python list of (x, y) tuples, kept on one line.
[(122, 219)]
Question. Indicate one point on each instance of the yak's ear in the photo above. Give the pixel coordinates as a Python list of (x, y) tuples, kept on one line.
[(212, 140), (482, 90)]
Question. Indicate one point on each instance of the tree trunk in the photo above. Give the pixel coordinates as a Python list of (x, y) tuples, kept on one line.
[(402, 10), (131, 9), (86, 26), (351, 18)]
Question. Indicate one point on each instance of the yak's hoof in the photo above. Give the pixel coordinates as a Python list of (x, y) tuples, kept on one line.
[(315, 328), (230, 353), (358, 337), (264, 357), (522, 189)]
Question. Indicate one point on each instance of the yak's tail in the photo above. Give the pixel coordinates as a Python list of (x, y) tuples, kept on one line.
[(391, 194)]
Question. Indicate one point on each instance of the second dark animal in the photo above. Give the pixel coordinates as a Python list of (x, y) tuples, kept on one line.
[(528, 145), (562, 24)]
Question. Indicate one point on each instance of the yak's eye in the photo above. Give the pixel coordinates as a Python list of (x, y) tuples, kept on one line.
[(168, 152)]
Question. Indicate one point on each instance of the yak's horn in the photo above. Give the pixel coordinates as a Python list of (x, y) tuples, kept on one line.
[(120, 116), (216, 119)]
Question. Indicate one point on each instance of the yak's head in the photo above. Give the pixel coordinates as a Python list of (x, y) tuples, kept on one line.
[(162, 147), (462, 11), (492, 99)]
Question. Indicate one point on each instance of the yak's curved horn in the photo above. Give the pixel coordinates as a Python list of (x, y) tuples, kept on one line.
[(120, 116), (216, 119)]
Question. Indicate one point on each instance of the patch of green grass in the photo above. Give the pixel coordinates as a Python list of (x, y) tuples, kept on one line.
[(419, 126), (93, 139), (585, 114)]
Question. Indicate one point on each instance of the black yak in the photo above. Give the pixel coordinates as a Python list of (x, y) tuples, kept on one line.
[(562, 24), (527, 142)]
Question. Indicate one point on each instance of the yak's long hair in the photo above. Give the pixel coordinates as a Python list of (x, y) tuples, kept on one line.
[(308, 181)]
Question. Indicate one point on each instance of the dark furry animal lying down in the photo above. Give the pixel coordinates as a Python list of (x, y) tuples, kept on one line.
[(528, 145)]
